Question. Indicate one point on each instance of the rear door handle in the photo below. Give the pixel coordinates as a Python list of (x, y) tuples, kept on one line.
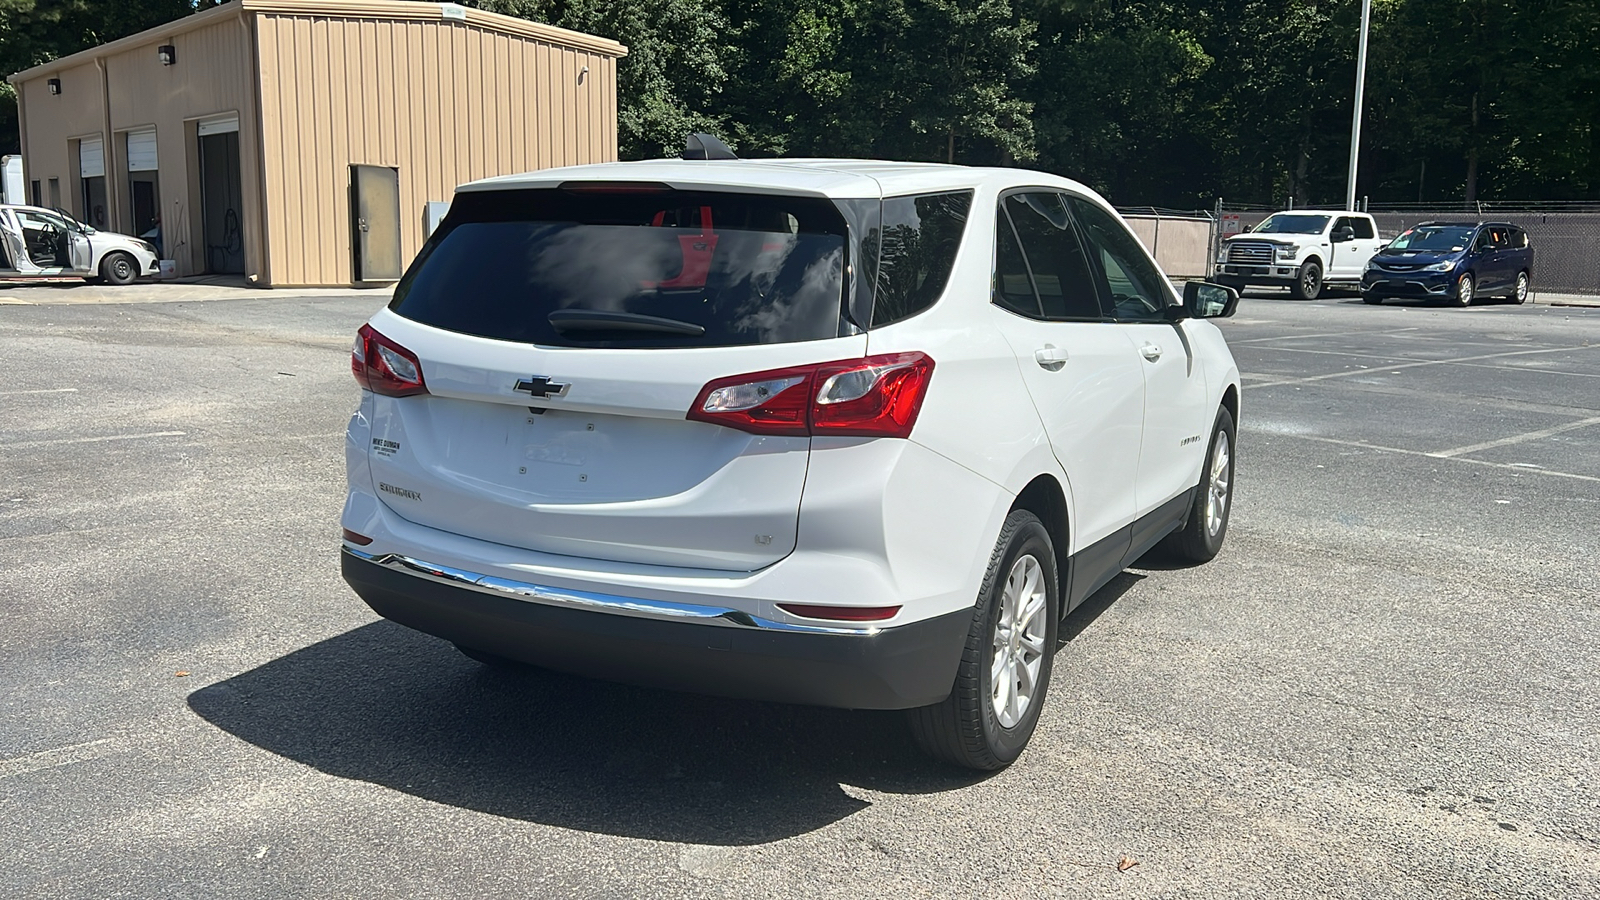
[(1150, 352), (1050, 357)]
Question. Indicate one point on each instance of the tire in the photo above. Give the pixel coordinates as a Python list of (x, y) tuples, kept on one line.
[(1201, 537), (966, 728), (492, 660), (119, 268), (1371, 300), (1308, 281), (1466, 289), (1520, 289)]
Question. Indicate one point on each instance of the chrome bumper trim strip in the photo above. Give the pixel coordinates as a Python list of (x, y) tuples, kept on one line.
[(595, 602)]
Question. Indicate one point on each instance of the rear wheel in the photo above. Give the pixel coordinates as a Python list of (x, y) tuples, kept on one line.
[(1308, 281), (1519, 291), (1005, 669), (1465, 289), (1201, 537), (119, 268)]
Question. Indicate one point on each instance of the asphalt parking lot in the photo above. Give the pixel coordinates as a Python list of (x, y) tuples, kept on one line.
[(1384, 686)]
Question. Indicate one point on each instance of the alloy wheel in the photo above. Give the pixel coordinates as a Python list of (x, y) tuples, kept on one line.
[(1465, 290), (1217, 484), (1520, 294), (1019, 641)]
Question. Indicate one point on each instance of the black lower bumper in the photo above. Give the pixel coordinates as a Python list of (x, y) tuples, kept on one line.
[(897, 668)]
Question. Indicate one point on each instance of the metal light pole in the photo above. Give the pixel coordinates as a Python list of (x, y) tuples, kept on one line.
[(1361, 89)]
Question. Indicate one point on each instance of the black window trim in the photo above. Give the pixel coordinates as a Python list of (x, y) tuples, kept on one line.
[(1107, 315)]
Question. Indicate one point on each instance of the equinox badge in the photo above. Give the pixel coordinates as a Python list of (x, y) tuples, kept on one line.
[(540, 386)]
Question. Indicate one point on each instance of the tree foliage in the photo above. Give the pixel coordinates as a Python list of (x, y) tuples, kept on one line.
[(1168, 102)]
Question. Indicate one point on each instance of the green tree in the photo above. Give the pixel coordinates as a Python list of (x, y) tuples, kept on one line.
[(36, 31), (670, 83)]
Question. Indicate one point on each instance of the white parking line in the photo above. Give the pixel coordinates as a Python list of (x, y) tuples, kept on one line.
[(1517, 439), (58, 756), (1423, 453), (43, 391), (1327, 334), (1430, 362), (22, 445)]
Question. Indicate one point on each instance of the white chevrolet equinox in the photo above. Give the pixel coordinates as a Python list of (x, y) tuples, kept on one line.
[(836, 432)]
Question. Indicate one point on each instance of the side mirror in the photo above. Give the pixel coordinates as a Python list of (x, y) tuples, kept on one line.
[(1340, 235), (1202, 300)]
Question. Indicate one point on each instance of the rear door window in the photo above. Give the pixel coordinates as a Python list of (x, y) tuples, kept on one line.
[(1363, 227), (631, 266), (1055, 256)]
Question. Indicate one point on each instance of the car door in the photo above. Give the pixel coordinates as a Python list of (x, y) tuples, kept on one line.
[(1347, 259), (1367, 242), (1079, 369), (13, 248), (1177, 412), (1480, 259), (1502, 263)]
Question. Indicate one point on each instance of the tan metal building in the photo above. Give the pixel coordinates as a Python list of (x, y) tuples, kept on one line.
[(301, 142)]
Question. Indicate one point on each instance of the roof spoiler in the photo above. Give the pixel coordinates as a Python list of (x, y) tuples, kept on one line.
[(704, 146)]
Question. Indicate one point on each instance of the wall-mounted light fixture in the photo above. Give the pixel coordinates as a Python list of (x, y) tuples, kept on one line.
[(168, 54), (54, 85), (582, 73)]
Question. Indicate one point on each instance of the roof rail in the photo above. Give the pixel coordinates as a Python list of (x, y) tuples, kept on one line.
[(704, 146)]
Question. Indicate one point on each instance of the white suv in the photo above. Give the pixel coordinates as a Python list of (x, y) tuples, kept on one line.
[(836, 432)]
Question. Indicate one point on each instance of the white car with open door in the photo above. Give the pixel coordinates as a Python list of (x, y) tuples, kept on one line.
[(835, 432), (47, 243)]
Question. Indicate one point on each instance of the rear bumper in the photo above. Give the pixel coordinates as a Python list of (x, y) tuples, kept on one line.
[(701, 649)]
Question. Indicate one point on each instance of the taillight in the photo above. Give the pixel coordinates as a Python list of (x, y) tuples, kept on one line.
[(878, 396), (384, 367)]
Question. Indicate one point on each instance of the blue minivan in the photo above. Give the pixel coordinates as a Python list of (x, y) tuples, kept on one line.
[(1454, 261)]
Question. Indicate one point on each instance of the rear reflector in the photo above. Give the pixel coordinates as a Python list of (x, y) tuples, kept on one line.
[(384, 367), (877, 396), (840, 613), (359, 540)]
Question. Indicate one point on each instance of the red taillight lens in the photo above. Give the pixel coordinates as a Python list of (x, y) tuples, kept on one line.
[(384, 367), (878, 396), (772, 402), (356, 538), (840, 613)]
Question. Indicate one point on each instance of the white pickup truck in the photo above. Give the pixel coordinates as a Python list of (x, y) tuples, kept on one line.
[(1302, 250)]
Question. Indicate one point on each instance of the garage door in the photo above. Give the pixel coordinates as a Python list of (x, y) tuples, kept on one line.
[(91, 158), (142, 151)]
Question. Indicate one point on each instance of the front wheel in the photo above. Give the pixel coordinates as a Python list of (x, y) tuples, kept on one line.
[(1519, 291), (1465, 289), (119, 268), (1308, 281), (1201, 537), (1005, 668), (1371, 300)]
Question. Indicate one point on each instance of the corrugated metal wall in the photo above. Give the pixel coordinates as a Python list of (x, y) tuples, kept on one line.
[(444, 102), (212, 76)]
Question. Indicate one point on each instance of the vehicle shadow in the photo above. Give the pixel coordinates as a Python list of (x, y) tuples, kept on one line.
[(1096, 603), (393, 707)]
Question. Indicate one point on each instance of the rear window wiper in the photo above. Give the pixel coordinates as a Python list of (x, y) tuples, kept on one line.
[(576, 320)]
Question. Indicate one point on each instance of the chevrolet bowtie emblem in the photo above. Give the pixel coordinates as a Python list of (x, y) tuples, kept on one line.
[(540, 386)]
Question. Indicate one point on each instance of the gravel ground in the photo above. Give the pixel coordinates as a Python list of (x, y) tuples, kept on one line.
[(1383, 687)]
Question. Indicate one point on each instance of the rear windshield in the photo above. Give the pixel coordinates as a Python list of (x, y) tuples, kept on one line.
[(1434, 238), (625, 266)]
